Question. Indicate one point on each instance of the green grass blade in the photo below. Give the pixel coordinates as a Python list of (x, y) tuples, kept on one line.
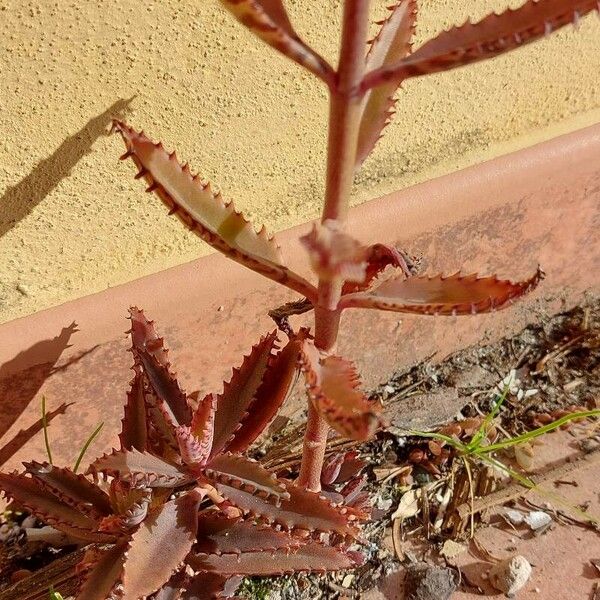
[(45, 428), (86, 446), (482, 431), (530, 435)]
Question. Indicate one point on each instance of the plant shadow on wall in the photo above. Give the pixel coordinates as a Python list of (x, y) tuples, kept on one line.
[(179, 486), (19, 200)]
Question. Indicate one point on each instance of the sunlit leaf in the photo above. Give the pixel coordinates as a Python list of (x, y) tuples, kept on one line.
[(493, 35), (206, 213), (453, 295), (391, 44)]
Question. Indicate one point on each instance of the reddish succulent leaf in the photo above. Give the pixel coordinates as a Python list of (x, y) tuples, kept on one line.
[(73, 489), (303, 509), (191, 451), (268, 19), (144, 337), (203, 424), (104, 572), (335, 255), (134, 429), (313, 556), (220, 535), (166, 388), (36, 498), (275, 387), (453, 295), (211, 586), (239, 472), (240, 392), (380, 256), (140, 468), (130, 503), (391, 44), (206, 213), (332, 385), (159, 546), (493, 35), (173, 589)]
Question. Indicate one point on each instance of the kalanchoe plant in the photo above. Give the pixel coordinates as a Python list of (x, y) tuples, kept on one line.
[(177, 509), (349, 275)]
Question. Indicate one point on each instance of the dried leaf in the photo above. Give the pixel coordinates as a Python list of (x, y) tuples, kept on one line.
[(524, 456), (104, 570), (206, 213), (240, 392), (453, 295), (140, 468), (331, 384), (391, 45), (312, 557), (409, 505), (268, 19), (493, 35), (160, 545)]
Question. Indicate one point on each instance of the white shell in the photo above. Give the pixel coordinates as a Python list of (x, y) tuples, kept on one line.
[(538, 519)]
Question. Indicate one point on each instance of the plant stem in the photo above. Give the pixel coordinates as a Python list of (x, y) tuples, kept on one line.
[(344, 122)]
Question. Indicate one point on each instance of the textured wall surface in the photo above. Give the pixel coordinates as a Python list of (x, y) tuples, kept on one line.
[(73, 221)]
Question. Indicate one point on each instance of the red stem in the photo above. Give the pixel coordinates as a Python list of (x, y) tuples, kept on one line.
[(344, 122)]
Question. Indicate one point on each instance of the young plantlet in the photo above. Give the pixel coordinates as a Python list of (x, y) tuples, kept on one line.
[(349, 275)]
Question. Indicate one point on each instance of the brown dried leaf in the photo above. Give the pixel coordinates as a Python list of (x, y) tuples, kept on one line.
[(206, 213), (493, 35), (268, 19), (140, 468), (311, 557), (391, 44), (453, 295), (332, 385), (160, 545)]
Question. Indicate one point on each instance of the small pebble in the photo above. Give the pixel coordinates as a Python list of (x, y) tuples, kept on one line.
[(510, 575)]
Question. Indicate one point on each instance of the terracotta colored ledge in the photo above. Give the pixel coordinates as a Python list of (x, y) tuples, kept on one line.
[(541, 205)]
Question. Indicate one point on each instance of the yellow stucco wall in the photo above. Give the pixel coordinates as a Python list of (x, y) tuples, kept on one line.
[(73, 221)]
